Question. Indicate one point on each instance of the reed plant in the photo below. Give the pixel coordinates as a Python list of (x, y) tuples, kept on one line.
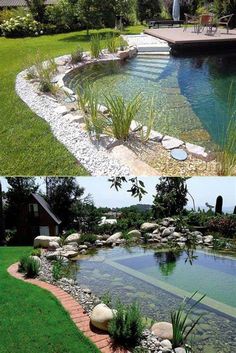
[(122, 113), (111, 42), (145, 132), (77, 56), (226, 152), (180, 320), (95, 45)]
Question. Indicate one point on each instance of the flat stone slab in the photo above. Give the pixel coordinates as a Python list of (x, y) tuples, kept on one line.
[(195, 149), (61, 109), (179, 154), (170, 143)]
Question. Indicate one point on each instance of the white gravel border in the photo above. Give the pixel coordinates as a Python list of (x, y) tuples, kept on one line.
[(96, 159)]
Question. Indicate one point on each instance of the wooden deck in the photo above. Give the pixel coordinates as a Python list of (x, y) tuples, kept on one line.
[(178, 38)]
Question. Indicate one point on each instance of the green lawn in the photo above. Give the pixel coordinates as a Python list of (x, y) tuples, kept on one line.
[(27, 145), (31, 319)]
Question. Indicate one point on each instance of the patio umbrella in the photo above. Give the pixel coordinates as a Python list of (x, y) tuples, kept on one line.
[(176, 10)]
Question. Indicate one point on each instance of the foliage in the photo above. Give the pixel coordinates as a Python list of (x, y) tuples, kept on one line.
[(111, 42), (63, 15), (145, 133), (223, 224), (20, 27), (87, 216), (122, 113), (95, 45), (16, 197), (179, 320), (199, 218), (57, 269), (127, 326), (106, 298), (148, 9), (87, 238), (6, 14), (219, 204), (29, 266), (36, 252), (137, 186), (37, 9), (62, 194), (171, 197), (77, 56)]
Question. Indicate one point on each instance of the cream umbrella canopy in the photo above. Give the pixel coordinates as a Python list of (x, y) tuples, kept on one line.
[(176, 10)]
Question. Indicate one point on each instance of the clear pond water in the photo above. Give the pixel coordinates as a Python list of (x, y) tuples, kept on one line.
[(191, 94), (159, 279)]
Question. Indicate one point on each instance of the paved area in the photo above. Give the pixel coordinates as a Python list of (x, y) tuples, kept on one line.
[(179, 36), (147, 43), (81, 319)]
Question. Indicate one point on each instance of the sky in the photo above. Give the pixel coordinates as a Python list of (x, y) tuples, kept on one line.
[(203, 189)]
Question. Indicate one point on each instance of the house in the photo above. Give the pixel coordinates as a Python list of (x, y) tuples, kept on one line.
[(37, 218), (21, 3)]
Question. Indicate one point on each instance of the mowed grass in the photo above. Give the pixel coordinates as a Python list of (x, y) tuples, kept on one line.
[(31, 319), (28, 147)]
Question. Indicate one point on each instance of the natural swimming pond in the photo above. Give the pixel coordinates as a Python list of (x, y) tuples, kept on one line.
[(191, 94), (159, 279)]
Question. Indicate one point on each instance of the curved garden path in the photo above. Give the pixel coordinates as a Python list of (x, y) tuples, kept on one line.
[(76, 312)]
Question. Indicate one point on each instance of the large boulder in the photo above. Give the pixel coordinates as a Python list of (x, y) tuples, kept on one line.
[(42, 241), (53, 245), (113, 238), (72, 238), (70, 247), (148, 227), (134, 233), (101, 316), (208, 239), (168, 231), (163, 330)]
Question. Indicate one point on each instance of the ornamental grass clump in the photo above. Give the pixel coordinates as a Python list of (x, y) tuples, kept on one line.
[(111, 42), (180, 321), (95, 45), (77, 56), (127, 325), (29, 266), (122, 113)]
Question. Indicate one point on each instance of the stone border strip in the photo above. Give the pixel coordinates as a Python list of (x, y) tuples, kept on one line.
[(77, 314)]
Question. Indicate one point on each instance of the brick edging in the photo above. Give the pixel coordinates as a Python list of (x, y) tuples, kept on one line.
[(77, 314)]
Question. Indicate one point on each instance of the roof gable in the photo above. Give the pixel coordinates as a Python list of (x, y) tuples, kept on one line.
[(46, 207)]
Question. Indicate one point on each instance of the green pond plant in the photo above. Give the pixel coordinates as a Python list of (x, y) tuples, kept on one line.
[(180, 320), (95, 45), (111, 42), (127, 325), (29, 266)]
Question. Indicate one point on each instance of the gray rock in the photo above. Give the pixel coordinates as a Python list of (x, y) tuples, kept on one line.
[(163, 330), (113, 238), (134, 233), (166, 344), (196, 150), (44, 240), (74, 237), (166, 232), (83, 247), (208, 239), (147, 227), (180, 350), (169, 142), (53, 245), (101, 316)]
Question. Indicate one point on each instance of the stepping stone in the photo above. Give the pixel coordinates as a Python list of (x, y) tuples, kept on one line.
[(170, 143), (195, 149), (179, 154), (70, 99)]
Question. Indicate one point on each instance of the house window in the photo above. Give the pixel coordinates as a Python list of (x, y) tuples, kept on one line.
[(34, 209)]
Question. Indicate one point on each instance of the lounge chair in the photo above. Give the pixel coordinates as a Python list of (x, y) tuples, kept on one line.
[(190, 20), (224, 21)]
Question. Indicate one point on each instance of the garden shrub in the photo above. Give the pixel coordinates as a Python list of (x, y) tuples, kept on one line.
[(77, 56), (57, 269), (36, 252), (89, 238), (127, 325), (198, 218), (29, 266), (21, 27), (223, 224)]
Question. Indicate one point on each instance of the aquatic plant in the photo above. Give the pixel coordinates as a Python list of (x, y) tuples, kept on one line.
[(145, 132), (180, 322), (226, 153), (29, 266), (95, 45), (122, 113), (127, 325)]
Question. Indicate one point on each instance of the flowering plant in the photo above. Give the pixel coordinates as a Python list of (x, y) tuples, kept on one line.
[(21, 27)]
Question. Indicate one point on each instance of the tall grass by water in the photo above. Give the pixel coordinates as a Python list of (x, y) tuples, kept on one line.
[(95, 45)]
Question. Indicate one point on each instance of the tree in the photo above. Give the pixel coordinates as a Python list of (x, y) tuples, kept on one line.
[(171, 197), (62, 194), (37, 9), (16, 197), (148, 9), (87, 216)]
